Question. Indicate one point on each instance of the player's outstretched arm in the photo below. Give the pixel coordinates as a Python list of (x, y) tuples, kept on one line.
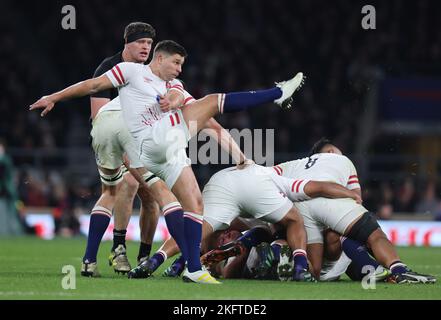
[(79, 89), (226, 141), (329, 190)]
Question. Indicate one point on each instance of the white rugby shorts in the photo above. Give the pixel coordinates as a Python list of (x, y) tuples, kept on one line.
[(162, 147), (247, 193), (320, 213)]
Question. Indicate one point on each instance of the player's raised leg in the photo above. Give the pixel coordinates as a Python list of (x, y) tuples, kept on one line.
[(200, 111)]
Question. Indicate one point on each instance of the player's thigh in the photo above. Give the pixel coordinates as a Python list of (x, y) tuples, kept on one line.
[(169, 170), (186, 189), (220, 207), (146, 196), (260, 197), (128, 145), (314, 229), (332, 244), (164, 141), (105, 143), (337, 214), (198, 113)]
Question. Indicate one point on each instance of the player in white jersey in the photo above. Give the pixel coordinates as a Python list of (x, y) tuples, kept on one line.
[(110, 139), (326, 167), (163, 136), (345, 216), (259, 193)]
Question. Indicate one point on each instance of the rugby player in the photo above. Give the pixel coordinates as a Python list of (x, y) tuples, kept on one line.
[(344, 216)]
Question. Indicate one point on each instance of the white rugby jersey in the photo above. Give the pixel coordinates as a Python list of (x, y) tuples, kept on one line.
[(321, 167), (139, 88), (115, 104)]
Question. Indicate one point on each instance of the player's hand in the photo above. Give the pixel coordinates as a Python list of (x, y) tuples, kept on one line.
[(207, 259), (357, 197), (164, 103), (244, 164), (45, 102)]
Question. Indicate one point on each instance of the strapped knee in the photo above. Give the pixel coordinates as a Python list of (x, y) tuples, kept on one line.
[(150, 178), (363, 228), (111, 179)]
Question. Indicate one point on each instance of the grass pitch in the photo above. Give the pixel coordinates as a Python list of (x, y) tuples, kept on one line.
[(32, 269)]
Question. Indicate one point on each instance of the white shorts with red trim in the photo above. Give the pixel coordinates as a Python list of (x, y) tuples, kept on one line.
[(250, 192), (162, 147), (320, 213)]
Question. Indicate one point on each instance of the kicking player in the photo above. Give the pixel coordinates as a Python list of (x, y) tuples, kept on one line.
[(216, 131), (345, 216), (147, 94)]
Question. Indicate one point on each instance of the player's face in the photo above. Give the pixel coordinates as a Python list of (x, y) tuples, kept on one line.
[(139, 50), (329, 148), (171, 66), (228, 236)]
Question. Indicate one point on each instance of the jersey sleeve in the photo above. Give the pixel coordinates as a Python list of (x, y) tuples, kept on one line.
[(188, 99), (353, 182), (175, 84), (278, 169), (120, 74), (294, 189)]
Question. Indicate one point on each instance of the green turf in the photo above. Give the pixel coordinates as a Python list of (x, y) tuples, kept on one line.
[(32, 269)]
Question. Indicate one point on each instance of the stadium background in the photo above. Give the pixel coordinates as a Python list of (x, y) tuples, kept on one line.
[(375, 93)]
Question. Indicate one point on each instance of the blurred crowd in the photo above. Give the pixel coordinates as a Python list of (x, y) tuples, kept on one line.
[(232, 45)]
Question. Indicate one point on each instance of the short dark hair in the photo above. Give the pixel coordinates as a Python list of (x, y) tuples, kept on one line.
[(171, 47), (318, 146), (139, 27)]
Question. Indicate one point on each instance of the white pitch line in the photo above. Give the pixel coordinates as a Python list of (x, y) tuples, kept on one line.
[(61, 294)]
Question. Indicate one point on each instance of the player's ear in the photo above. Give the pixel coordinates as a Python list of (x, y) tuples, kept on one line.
[(162, 57)]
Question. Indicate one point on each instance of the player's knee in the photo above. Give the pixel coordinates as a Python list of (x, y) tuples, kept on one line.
[(146, 197), (151, 208), (198, 206), (376, 236), (332, 245), (130, 182), (212, 97), (364, 228), (108, 191), (195, 205), (294, 216)]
